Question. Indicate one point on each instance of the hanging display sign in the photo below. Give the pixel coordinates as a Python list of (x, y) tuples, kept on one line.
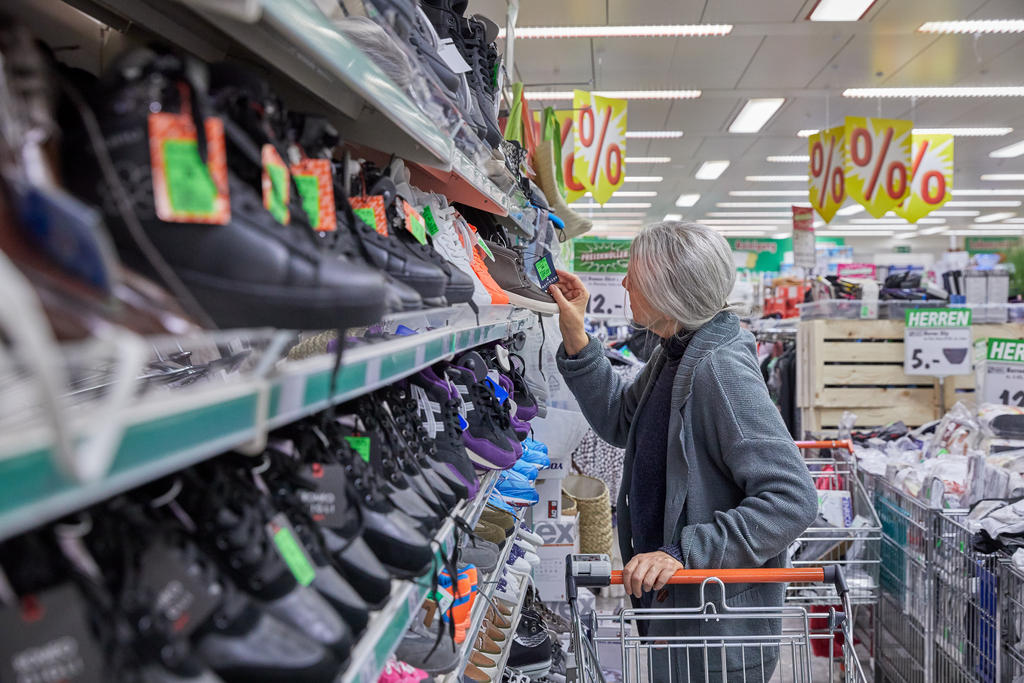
[(991, 245), (804, 254), (826, 180), (931, 176), (937, 342), (760, 254), (573, 188), (599, 143), (878, 162), (600, 256), (863, 271), (999, 371)]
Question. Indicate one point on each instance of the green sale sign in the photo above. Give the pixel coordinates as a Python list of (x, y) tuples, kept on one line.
[(600, 255)]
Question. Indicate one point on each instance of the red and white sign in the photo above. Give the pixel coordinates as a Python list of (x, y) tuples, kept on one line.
[(853, 271)]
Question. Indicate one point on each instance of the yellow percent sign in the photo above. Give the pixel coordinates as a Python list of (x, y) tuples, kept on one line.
[(877, 162), (826, 181), (931, 183), (599, 144)]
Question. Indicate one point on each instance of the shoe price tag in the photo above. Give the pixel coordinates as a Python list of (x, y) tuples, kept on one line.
[(180, 594), (370, 210), (499, 391), (315, 181), (46, 637), (452, 57), (545, 269), (294, 555), (361, 445), (444, 602), (414, 222), (276, 184), (328, 487), (482, 243), (428, 218), (186, 190)]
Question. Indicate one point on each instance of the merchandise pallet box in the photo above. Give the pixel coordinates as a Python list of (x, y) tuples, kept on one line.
[(857, 366)]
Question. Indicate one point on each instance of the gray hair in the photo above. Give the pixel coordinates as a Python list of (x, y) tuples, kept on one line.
[(685, 271)]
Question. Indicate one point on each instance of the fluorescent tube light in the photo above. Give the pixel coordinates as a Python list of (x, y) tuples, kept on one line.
[(948, 91), (988, 192), (687, 200), (711, 170), (1008, 152), (750, 214), (673, 217), (1002, 176), (851, 210), (648, 160), (610, 214), (861, 233), (840, 10), (974, 26), (754, 205), (654, 134), (768, 193), (932, 231), (776, 178), (967, 132), (806, 132), (614, 205), (755, 114), (629, 193), (994, 217), (954, 214), (788, 158), (994, 204), (745, 221), (636, 31), (618, 94), (642, 179)]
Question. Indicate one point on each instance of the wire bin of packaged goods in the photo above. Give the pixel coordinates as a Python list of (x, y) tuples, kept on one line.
[(905, 615), (726, 642), (967, 606), (1011, 586)]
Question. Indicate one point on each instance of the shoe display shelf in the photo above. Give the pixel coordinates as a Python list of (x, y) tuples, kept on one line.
[(317, 68), (483, 601), (387, 626), (160, 432), (522, 582)]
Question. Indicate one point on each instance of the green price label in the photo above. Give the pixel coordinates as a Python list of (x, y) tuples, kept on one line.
[(361, 445), (189, 185), (309, 191), (483, 245), (278, 182), (414, 224), (367, 216), (293, 556), (543, 269), (428, 216)]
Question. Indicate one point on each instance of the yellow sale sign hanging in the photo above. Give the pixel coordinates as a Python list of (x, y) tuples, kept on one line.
[(931, 174), (599, 143), (573, 188), (878, 162), (826, 182)]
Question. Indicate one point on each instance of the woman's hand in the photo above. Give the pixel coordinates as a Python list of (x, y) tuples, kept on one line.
[(648, 572), (571, 296)]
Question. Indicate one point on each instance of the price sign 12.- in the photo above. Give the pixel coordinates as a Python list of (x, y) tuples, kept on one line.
[(937, 342), (1000, 371), (607, 295)]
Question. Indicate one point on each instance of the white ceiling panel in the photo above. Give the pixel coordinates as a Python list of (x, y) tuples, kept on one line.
[(707, 115), (647, 12), (747, 12), (711, 62), (951, 59), (784, 62), (904, 15), (868, 60), (647, 66), (557, 63)]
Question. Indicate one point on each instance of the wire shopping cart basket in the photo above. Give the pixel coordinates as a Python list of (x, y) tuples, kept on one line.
[(769, 634)]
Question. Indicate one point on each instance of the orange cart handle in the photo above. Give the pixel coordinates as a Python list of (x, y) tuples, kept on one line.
[(768, 575), (846, 444)]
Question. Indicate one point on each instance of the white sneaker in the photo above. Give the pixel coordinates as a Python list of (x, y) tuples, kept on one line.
[(447, 243), (528, 533)]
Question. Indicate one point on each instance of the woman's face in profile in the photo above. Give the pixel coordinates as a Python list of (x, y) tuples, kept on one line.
[(640, 309)]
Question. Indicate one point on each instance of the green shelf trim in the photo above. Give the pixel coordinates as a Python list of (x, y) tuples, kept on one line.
[(350, 378), (398, 363)]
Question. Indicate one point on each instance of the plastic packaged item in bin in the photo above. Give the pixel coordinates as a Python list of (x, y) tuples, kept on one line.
[(1004, 422), (957, 432)]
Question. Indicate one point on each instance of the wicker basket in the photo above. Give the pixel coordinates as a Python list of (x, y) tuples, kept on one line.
[(595, 512)]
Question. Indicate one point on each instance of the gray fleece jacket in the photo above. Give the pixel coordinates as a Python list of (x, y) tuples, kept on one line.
[(738, 490)]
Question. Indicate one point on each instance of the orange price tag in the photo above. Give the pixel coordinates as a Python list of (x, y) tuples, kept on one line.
[(414, 222), (186, 190), (276, 184), (370, 209), (315, 181)]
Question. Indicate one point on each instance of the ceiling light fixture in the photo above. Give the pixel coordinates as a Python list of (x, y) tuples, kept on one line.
[(806, 132), (966, 132), (861, 233), (618, 94), (687, 200), (973, 26), (745, 221), (611, 214), (993, 204), (788, 158), (905, 236), (648, 160), (878, 221), (636, 31), (673, 217), (929, 220), (781, 235), (643, 179), (711, 170), (1002, 176), (932, 231), (840, 10), (982, 230), (851, 210), (1008, 152), (755, 114), (948, 91), (622, 194), (750, 214), (994, 217), (954, 214), (767, 193), (988, 192), (613, 205), (776, 178), (653, 134), (754, 205)]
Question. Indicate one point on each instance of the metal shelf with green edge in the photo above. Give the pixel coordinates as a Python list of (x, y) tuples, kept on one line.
[(387, 626), (162, 430), (519, 583)]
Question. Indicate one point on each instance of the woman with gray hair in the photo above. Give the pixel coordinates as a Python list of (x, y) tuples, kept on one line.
[(712, 478)]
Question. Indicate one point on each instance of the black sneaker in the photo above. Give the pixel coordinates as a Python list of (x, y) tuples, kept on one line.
[(439, 409), (489, 439), (250, 272), (235, 529), (531, 647)]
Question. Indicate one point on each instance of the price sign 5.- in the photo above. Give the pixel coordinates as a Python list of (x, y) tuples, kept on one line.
[(599, 143), (937, 342), (1000, 371), (931, 176), (826, 180), (878, 162)]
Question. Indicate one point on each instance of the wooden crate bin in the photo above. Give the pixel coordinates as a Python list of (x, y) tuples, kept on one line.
[(857, 366)]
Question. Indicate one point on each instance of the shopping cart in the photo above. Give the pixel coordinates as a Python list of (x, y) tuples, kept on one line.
[(594, 636), (1011, 583)]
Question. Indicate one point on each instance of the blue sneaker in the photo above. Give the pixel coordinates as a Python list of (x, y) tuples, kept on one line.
[(526, 469), (517, 493), (536, 458), (535, 445), (495, 500)]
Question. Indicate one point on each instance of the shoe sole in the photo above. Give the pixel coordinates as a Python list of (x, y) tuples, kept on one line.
[(483, 462), (532, 304)]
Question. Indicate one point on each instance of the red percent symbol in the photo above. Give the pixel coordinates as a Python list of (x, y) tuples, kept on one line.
[(940, 180), (586, 130), (862, 157), (832, 179)]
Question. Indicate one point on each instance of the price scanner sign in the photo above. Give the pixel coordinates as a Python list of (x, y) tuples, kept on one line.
[(937, 342)]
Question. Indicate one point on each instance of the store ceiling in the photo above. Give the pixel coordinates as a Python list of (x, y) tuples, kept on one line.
[(773, 51)]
